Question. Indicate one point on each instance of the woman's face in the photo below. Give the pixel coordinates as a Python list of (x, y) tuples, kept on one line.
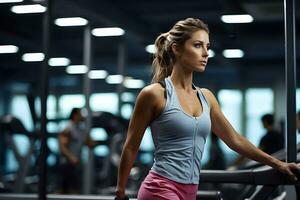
[(194, 53)]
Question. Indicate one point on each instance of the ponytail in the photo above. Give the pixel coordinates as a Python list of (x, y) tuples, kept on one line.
[(162, 62)]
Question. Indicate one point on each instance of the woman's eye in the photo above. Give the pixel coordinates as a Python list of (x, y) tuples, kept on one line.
[(197, 45)]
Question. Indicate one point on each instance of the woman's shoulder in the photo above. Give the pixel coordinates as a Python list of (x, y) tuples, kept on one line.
[(152, 97), (153, 92), (209, 95)]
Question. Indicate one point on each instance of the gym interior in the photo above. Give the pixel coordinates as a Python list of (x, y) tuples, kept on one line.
[(56, 55)]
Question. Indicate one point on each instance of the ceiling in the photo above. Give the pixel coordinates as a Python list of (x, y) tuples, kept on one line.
[(262, 41)]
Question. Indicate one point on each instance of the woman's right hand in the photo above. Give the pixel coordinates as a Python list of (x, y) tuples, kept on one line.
[(120, 194)]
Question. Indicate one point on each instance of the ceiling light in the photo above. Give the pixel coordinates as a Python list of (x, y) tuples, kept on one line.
[(98, 74), (233, 53), (8, 49), (114, 79), (150, 48), (237, 18), (10, 1), (77, 69), (211, 53), (104, 32), (24, 9), (133, 83), (59, 61), (71, 21), (33, 57)]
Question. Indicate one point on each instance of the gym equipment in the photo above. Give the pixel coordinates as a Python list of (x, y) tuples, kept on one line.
[(207, 195), (10, 125), (265, 176)]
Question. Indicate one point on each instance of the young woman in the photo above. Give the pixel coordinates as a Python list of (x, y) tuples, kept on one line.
[(181, 116)]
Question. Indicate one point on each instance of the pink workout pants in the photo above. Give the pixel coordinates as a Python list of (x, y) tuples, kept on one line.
[(157, 187)]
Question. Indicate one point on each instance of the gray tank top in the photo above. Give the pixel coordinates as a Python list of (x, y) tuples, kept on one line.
[(76, 140), (179, 138)]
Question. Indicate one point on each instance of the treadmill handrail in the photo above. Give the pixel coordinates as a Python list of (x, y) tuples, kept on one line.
[(264, 175)]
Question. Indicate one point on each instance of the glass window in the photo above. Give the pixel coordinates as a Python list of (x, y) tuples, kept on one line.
[(52, 127), (20, 109), (104, 102), (258, 103), (68, 102), (147, 142), (128, 97), (231, 105), (147, 146), (298, 99), (53, 145), (126, 110), (11, 162), (51, 106)]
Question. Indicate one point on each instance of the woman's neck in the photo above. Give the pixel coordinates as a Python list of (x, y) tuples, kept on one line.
[(181, 78)]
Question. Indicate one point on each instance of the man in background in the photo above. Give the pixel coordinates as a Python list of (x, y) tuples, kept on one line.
[(71, 141), (273, 140)]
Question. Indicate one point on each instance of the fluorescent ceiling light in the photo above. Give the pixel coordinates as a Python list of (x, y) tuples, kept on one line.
[(8, 49), (24, 9), (211, 53), (233, 53), (10, 1), (98, 74), (150, 48), (114, 79), (237, 18), (103, 32), (71, 21), (33, 57), (133, 83), (77, 69), (59, 61)]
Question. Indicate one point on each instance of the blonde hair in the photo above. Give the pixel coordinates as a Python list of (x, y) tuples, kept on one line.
[(164, 58)]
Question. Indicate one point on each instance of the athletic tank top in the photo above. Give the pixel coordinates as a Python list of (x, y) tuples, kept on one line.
[(76, 140), (179, 138)]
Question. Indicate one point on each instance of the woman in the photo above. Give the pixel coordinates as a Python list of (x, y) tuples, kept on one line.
[(181, 116)]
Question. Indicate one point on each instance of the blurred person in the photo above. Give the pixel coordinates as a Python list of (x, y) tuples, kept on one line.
[(273, 140), (181, 116), (71, 141), (270, 143)]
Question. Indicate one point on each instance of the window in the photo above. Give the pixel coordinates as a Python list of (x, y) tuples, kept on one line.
[(258, 103), (298, 99), (68, 102), (126, 110), (20, 109), (104, 102), (231, 104), (51, 106)]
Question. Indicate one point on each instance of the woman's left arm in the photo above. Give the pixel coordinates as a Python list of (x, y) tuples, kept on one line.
[(223, 129)]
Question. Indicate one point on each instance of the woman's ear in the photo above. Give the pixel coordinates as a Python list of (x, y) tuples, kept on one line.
[(175, 49)]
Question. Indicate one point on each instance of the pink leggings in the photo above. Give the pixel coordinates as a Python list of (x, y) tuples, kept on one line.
[(157, 187)]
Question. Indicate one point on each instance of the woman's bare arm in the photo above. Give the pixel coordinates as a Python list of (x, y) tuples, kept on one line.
[(223, 129), (148, 105)]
